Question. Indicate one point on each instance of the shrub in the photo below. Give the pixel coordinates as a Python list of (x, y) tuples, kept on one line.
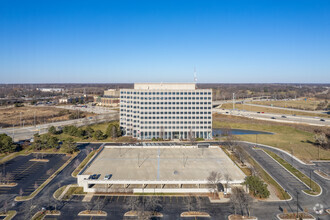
[(257, 186)]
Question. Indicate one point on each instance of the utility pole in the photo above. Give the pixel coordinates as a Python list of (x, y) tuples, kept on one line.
[(20, 119), (233, 101), (297, 203), (34, 119), (310, 179)]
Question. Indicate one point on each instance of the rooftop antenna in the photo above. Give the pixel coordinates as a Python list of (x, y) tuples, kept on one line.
[(195, 75)]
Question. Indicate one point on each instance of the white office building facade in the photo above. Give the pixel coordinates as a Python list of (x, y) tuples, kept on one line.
[(166, 110)]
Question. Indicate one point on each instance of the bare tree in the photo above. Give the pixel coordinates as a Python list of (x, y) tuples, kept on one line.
[(153, 204), (247, 202), (21, 192), (132, 203), (161, 133), (100, 203), (88, 205), (191, 137), (227, 179), (189, 203), (9, 178), (35, 186), (213, 181), (240, 200), (321, 140), (240, 154)]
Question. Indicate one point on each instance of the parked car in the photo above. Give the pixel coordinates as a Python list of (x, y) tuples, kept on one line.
[(283, 116), (273, 118), (107, 177), (258, 112), (94, 176), (322, 119)]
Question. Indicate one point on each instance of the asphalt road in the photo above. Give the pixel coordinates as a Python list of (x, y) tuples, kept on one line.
[(278, 117), (28, 132)]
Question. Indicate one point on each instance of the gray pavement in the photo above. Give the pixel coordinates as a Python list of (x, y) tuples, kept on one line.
[(277, 117)]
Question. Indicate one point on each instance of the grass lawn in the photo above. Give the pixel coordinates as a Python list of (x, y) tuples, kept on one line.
[(271, 110), (309, 104), (59, 191), (291, 138), (73, 191)]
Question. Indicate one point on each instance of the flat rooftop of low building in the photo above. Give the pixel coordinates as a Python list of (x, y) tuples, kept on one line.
[(163, 163), (165, 86)]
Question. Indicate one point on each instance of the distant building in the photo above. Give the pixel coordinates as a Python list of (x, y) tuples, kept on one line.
[(50, 89), (110, 98), (166, 110), (74, 100)]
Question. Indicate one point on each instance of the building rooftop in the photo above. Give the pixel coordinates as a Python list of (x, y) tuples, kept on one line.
[(165, 86), (163, 164)]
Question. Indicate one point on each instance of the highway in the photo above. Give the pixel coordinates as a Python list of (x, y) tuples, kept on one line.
[(284, 118), (28, 132)]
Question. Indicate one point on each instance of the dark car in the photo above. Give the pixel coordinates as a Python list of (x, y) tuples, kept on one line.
[(273, 118), (94, 176), (322, 119), (283, 116)]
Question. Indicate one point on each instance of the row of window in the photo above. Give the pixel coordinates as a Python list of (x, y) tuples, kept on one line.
[(165, 103), (166, 98), (176, 122), (165, 113), (165, 93), (176, 127), (177, 117)]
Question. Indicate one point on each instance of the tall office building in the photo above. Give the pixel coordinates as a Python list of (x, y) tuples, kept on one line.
[(166, 110)]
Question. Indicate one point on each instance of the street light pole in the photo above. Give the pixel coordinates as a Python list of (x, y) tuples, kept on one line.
[(297, 202)]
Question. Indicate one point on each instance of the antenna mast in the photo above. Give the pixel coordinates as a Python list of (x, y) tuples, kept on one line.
[(195, 75)]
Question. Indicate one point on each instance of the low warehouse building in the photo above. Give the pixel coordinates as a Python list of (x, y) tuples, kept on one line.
[(152, 169)]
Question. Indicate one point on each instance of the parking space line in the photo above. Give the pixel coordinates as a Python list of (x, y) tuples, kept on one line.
[(118, 198)]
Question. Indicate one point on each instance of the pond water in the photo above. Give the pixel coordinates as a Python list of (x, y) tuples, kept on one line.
[(219, 132)]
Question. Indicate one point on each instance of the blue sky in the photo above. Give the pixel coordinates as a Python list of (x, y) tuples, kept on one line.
[(232, 41)]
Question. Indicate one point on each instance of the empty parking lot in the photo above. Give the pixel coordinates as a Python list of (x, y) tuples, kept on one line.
[(29, 174)]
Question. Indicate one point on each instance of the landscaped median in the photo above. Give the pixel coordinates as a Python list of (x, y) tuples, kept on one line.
[(42, 214), (240, 217), (68, 190), (315, 189), (194, 214), (92, 213), (146, 213), (301, 215), (34, 193), (9, 214)]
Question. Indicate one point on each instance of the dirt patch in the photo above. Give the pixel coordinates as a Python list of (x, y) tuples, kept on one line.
[(31, 114)]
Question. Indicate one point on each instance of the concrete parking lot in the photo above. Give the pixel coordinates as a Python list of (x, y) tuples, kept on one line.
[(30, 173)]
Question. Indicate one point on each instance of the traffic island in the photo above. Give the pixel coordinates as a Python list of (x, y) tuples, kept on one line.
[(8, 184), (92, 213), (42, 214), (145, 213), (8, 215), (241, 217), (39, 160), (301, 215), (195, 214)]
